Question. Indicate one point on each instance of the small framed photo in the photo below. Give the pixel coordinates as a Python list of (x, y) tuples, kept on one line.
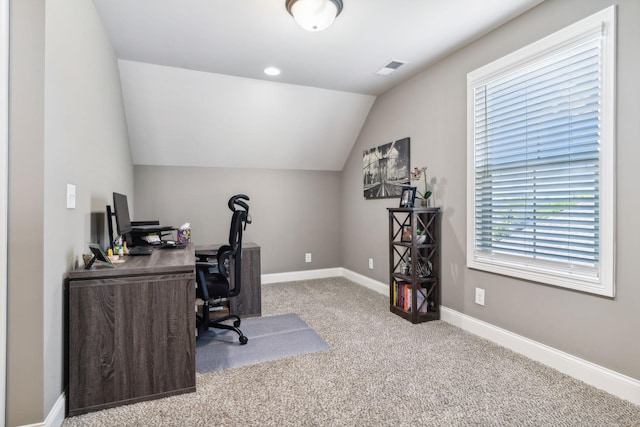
[(407, 197), (407, 234)]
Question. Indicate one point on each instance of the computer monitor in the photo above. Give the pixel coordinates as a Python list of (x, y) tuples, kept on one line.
[(121, 207)]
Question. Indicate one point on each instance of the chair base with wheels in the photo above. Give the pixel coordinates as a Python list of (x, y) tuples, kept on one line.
[(204, 322)]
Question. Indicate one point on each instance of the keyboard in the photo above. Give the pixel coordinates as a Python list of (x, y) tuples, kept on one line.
[(141, 250), (170, 244)]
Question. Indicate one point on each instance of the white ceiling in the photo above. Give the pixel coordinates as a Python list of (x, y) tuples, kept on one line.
[(195, 92)]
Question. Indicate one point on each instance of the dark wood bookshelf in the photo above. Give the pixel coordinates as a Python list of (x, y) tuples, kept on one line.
[(414, 263)]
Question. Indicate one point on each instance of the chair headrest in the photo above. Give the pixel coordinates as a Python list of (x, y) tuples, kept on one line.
[(238, 200), (239, 215)]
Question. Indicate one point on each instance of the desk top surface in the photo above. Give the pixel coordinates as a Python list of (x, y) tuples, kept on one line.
[(161, 261)]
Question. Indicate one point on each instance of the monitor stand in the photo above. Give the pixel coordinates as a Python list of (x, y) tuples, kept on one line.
[(110, 215)]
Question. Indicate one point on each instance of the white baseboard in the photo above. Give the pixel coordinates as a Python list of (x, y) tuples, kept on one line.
[(600, 377), (367, 282), (300, 275), (55, 418), (358, 278)]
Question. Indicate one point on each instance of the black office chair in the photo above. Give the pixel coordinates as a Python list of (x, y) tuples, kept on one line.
[(215, 280)]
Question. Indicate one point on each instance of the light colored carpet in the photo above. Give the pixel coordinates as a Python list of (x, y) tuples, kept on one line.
[(380, 371), (270, 338)]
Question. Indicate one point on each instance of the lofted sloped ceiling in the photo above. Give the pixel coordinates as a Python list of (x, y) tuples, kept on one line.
[(192, 118), (195, 93)]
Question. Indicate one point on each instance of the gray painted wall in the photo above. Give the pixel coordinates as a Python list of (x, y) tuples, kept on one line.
[(431, 109), (67, 126), (294, 212), (25, 254)]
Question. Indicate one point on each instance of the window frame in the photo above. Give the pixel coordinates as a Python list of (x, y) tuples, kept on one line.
[(604, 281)]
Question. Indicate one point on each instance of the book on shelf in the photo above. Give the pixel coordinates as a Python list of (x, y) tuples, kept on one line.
[(394, 292), (407, 296), (403, 297), (399, 294)]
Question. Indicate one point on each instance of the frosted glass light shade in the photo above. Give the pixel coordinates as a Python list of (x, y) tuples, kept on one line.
[(314, 15)]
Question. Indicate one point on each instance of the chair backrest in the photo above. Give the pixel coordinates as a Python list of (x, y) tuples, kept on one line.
[(235, 231), (233, 252)]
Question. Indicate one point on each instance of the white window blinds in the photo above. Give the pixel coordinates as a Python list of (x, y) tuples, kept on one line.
[(536, 162)]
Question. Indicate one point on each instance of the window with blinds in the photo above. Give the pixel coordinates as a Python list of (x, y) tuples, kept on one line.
[(541, 152)]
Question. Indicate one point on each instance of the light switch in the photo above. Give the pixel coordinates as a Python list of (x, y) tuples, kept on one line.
[(71, 196)]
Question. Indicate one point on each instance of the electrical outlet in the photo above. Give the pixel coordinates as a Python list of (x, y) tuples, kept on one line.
[(307, 257), (480, 296), (370, 263)]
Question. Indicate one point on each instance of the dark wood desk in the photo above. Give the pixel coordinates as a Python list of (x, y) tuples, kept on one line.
[(131, 331), (249, 302)]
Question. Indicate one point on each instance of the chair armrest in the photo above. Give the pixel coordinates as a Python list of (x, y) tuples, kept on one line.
[(202, 270), (206, 267), (140, 223), (206, 255), (224, 253)]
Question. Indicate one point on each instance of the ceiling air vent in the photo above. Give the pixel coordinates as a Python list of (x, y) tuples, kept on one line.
[(390, 67)]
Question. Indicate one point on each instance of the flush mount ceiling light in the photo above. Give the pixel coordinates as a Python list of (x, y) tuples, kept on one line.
[(314, 15), (272, 71)]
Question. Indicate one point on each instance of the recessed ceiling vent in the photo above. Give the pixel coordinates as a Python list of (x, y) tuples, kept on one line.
[(391, 66)]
